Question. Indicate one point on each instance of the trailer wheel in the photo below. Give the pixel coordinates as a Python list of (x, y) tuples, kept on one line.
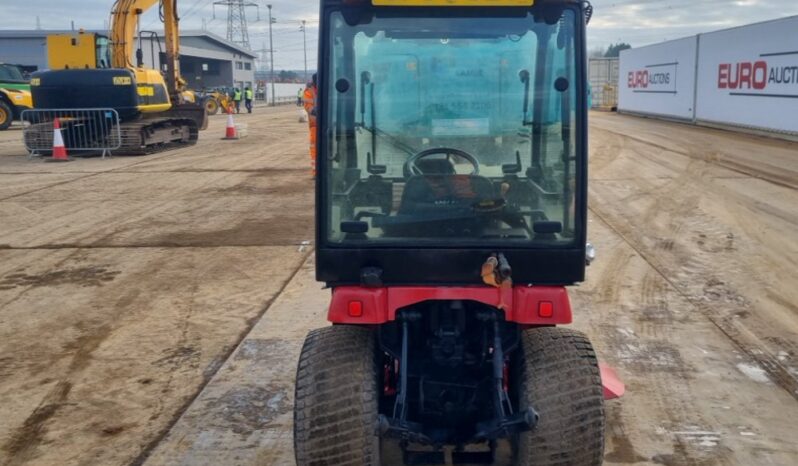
[(6, 116), (559, 377), (336, 399)]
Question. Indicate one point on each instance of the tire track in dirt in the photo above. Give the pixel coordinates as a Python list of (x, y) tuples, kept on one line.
[(642, 341), (743, 339), (24, 440), (83, 178), (604, 153), (147, 450), (674, 214), (782, 179)]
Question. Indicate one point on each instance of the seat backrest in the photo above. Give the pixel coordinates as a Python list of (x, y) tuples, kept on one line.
[(426, 190), (435, 166)]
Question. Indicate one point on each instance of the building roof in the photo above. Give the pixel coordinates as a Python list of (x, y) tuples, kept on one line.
[(220, 40), (43, 33), (37, 33)]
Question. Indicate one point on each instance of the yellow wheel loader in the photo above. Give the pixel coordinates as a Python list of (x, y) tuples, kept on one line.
[(215, 100)]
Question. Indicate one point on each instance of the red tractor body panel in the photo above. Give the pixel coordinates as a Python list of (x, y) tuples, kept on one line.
[(524, 305)]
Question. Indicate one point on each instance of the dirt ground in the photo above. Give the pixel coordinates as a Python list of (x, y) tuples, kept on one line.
[(126, 283), (132, 290)]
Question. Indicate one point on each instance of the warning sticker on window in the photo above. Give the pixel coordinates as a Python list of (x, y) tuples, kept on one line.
[(461, 127)]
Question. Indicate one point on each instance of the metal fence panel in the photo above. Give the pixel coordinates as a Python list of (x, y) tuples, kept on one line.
[(603, 78), (83, 130)]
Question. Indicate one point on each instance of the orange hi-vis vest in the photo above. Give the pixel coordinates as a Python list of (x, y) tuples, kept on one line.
[(309, 99)]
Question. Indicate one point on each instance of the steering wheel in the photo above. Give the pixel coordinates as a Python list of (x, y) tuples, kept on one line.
[(410, 168)]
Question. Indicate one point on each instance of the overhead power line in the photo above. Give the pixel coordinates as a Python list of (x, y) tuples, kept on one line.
[(237, 28)]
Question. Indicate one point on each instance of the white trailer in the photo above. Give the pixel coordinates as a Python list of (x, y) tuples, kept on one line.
[(748, 77), (659, 79)]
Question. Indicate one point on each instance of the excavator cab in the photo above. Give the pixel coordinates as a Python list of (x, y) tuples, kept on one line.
[(78, 50), (451, 215)]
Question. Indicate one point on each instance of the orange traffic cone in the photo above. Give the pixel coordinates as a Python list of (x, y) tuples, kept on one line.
[(231, 132), (59, 150)]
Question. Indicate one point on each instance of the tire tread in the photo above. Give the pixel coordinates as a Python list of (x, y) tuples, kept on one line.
[(336, 398), (560, 378)]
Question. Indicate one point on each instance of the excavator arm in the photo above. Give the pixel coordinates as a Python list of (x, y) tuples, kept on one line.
[(125, 21)]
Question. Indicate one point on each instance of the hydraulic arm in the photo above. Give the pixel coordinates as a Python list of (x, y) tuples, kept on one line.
[(125, 25)]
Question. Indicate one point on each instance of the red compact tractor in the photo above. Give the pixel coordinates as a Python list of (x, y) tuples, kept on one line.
[(451, 215)]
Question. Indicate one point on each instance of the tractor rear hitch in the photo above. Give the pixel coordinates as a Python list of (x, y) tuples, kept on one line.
[(402, 430), (507, 426), (502, 401), (506, 422), (400, 407), (398, 426)]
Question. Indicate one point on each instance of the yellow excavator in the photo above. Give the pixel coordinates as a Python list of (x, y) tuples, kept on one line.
[(92, 71)]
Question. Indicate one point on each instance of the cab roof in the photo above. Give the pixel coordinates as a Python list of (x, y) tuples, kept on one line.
[(447, 3)]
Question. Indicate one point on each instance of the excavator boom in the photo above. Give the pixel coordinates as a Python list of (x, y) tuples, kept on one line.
[(125, 22)]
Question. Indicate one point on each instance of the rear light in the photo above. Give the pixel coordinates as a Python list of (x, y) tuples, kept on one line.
[(546, 309), (355, 308)]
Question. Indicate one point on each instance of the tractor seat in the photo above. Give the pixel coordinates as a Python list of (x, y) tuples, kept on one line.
[(433, 166), (437, 192)]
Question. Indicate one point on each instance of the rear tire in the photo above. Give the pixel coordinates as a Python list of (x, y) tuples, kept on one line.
[(336, 399), (559, 377), (6, 116)]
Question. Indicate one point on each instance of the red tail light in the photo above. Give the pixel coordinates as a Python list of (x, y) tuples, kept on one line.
[(355, 308), (546, 309)]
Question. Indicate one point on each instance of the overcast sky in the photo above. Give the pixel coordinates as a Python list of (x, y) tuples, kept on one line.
[(638, 22)]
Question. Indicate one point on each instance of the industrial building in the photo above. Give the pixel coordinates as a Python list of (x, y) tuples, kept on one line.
[(206, 60)]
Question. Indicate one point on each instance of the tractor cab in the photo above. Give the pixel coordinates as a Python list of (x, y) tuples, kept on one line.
[(448, 133), (451, 215)]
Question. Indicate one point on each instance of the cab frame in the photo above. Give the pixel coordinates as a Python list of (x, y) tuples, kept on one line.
[(397, 264)]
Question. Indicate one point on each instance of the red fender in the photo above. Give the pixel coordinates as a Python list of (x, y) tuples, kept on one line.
[(613, 387)]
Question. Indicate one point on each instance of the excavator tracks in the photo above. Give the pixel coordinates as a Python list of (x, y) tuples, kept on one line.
[(146, 137), (139, 137)]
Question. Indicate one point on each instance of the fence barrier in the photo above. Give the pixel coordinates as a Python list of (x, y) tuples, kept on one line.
[(83, 130)]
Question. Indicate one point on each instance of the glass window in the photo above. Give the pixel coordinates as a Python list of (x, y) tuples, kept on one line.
[(247, 66), (454, 128), (10, 73), (103, 46), (239, 65)]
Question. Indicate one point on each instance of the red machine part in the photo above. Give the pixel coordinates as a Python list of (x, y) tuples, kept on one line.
[(524, 305), (613, 387)]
